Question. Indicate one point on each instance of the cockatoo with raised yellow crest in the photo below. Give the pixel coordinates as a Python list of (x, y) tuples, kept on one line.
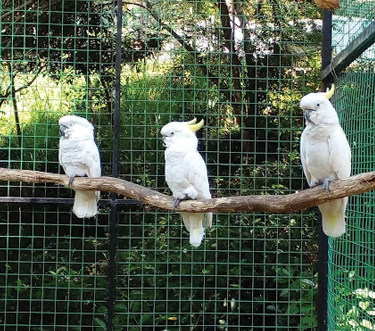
[(186, 173), (325, 155), (79, 156)]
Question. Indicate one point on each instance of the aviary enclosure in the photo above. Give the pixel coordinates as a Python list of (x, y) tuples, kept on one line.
[(130, 67)]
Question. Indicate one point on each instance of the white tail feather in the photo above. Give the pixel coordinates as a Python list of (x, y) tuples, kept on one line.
[(194, 224), (209, 220), (196, 237), (333, 214), (85, 204)]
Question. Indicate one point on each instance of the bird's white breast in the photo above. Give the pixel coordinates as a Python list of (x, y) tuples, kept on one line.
[(317, 153)]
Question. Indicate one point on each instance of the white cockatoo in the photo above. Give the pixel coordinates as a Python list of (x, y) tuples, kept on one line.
[(186, 173), (325, 155), (79, 156)]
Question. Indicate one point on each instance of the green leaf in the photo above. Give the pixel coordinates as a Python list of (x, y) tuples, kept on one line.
[(308, 282), (307, 322), (284, 292), (271, 308), (120, 307), (101, 310), (99, 324), (293, 309), (145, 318)]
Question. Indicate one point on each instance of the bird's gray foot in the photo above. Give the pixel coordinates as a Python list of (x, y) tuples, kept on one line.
[(71, 180), (176, 203), (326, 184)]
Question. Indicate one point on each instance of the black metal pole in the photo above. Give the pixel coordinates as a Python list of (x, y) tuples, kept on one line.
[(327, 39), (111, 273), (116, 114), (322, 299)]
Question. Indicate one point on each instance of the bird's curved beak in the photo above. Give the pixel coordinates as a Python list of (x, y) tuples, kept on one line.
[(63, 128), (307, 115)]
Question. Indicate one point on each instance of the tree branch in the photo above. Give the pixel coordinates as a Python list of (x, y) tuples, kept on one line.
[(282, 204), (19, 8), (28, 84), (14, 101), (227, 19), (222, 87), (27, 6)]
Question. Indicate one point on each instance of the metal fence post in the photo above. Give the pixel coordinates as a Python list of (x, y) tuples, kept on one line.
[(323, 239), (115, 172)]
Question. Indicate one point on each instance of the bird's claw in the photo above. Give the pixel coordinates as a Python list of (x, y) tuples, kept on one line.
[(71, 178), (326, 184), (176, 203), (178, 200)]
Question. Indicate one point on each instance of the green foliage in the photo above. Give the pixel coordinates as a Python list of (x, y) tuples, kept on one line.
[(274, 240), (45, 273), (300, 293), (254, 269), (82, 31), (354, 305), (152, 96)]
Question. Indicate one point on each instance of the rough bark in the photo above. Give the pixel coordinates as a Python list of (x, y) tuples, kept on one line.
[(260, 203)]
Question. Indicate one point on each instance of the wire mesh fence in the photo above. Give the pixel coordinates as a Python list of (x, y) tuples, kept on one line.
[(242, 67), (351, 258)]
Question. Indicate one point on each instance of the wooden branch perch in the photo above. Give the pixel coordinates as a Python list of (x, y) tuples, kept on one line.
[(260, 203)]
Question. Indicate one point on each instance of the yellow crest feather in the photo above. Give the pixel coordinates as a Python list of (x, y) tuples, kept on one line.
[(196, 126), (330, 91), (193, 121)]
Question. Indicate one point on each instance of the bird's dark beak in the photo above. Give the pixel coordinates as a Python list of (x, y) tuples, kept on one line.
[(63, 128), (307, 115)]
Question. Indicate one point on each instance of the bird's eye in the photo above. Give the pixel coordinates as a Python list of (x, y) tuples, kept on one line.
[(70, 124), (318, 104), (172, 133)]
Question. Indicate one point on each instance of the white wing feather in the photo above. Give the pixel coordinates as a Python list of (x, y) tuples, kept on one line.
[(340, 153), (195, 172), (303, 158), (91, 158)]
